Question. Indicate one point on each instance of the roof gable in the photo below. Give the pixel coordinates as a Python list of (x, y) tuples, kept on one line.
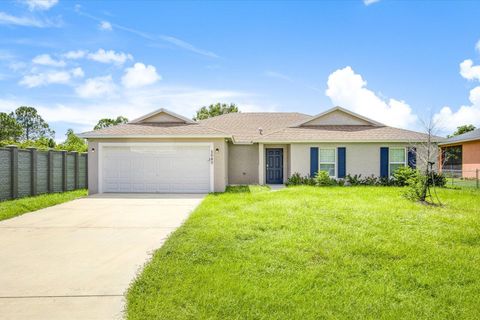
[(162, 116), (339, 116)]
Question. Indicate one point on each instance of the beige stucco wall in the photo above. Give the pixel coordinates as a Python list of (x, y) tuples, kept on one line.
[(243, 164), (162, 117), (361, 158), (220, 165), (336, 118)]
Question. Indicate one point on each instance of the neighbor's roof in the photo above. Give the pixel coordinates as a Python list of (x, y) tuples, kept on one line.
[(153, 130), (467, 136), (347, 133), (245, 126)]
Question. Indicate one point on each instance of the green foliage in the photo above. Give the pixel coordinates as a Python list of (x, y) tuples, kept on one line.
[(317, 253), (73, 143), (34, 127), (214, 110), (106, 122), (43, 143), (297, 180), (402, 175), (462, 129), (437, 179), (323, 179), (415, 190), (13, 208), (10, 129)]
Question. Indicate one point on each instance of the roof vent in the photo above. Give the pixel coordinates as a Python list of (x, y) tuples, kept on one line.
[(260, 130)]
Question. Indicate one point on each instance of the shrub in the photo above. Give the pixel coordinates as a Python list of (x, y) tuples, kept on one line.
[(297, 180), (402, 175), (353, 180), (323, 179), (357, 180), (437, 179), (415, 187)]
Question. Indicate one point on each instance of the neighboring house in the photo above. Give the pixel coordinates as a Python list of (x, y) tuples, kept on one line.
[(166, 152), (461, 154)]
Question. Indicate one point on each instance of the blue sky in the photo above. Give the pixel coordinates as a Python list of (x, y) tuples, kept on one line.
[(395, 61)]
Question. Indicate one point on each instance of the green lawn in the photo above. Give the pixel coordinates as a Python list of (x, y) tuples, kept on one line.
[(13, 208), (317, 253)]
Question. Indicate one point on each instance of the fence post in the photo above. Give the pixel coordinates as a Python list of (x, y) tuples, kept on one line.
[(477, 177), (33, 171), (50, 171), (64, 170), (14, 171), (77, 170)]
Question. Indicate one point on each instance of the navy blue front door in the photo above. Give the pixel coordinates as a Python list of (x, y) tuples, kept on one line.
[(274, 166)]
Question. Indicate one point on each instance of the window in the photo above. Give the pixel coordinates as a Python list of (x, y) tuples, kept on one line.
[(397, 158), (327, 161)]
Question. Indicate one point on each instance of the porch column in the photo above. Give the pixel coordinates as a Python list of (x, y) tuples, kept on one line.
[(261, 164)]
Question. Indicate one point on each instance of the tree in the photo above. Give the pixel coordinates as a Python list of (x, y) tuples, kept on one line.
[(10, 129), (214, 110), (462, 129), (34, 127), (106, 122), (73, 143)]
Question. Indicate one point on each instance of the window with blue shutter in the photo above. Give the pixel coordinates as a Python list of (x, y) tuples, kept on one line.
[(412, 158), (313, 161), (342, 165), (383, 162)]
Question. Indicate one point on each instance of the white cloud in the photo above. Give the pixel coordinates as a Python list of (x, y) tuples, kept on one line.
[(46, 60), (96, 87), (369, 2), (75, 54), (78, 72), (17, 65), (8, 19), (477, 46), (469, 71), (105, 25), (40, 4), (140, 75), (109, 56), (46, 78), (348, 89), (449, 120)]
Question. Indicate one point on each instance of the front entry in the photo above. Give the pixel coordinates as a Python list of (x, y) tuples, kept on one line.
[(274, 166)]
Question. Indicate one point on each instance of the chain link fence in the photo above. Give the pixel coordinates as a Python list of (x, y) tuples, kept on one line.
[(465, 179)]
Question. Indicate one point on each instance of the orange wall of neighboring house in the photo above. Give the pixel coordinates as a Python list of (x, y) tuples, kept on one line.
[(470, 158)]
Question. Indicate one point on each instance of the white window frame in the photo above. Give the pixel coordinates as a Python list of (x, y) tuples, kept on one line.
[(392, 162), (334, 160)]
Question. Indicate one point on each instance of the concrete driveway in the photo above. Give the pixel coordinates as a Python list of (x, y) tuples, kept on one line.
[(75, 260)]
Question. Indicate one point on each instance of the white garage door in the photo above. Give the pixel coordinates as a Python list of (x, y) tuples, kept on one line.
[(155, 168)]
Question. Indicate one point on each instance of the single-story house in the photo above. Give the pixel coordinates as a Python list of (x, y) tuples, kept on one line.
[(460, 155), (165, 152)]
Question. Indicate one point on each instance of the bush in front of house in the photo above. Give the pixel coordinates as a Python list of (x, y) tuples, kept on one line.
[(322, 178), (297, 179), (403, 175)]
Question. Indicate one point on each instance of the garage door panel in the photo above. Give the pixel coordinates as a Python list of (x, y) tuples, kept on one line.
[(156, 169)]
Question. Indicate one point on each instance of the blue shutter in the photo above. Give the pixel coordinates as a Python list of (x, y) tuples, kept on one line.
[(383, 162), (342, 166), (313, 161), (412, 158)]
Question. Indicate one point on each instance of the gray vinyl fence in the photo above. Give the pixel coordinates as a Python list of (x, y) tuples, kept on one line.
[(28, 172)]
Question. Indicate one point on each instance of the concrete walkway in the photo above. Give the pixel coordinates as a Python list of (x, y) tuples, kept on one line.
[(75, 260)]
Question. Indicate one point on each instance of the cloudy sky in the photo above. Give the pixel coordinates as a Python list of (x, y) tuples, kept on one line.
[(396, 62)]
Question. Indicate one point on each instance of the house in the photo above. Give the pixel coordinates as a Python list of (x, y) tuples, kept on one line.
[(460, 155), (166, 152)]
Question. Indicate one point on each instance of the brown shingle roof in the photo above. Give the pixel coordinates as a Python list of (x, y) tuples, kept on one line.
[(276, 127), (344, 134), (244, 126), (153, 129)]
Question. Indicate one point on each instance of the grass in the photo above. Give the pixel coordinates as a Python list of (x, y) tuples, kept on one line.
[(317, 253), (461, 183), (13, 208)]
